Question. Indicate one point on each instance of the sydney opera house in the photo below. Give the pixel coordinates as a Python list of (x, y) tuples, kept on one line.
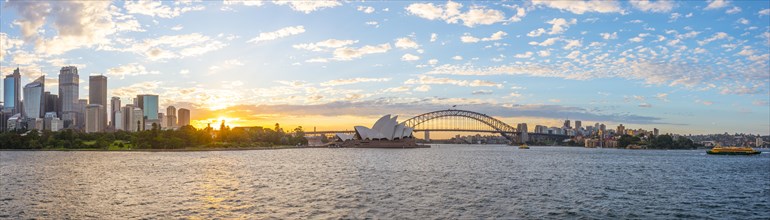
[(386, 133)]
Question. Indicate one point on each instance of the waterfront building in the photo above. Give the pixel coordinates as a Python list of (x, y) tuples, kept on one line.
[(33, 98), (94, 118), (655, 131), (34, 123), (51, 103), (184, 117), (759, 142), (171, 117), (118, 124), (149, 104), (602, 127), (127, 118), (137, 119), (578, 125), (12, 92), (621, 129), (97, 94), (14, 122), (69, 82), (567, 124), (5, 114), (81, 113), (386, 132), (114, 108), (52, 122)]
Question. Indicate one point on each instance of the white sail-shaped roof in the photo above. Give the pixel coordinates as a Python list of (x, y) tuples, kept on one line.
[(381, 122), (385, 128), (398, 132)]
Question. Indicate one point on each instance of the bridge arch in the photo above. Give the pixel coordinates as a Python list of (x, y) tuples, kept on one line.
[(501, 127)]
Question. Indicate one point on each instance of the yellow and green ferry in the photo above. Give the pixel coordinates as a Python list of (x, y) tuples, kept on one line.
[(733, 151)]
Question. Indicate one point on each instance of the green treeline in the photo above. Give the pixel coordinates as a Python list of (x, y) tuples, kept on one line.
[(184, 137), (657, 142)]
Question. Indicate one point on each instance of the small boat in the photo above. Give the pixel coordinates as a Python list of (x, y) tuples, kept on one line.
[(733, 151), (523, 146)]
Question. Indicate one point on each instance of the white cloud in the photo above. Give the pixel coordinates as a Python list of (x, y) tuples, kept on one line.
[(451, 13), (406, 43), (457, 58), (764, 12), (536, 33), (346, 53), (645, 105), (608, 36), (717, 36), (170, 46), (573, 54), (323, 45), (429, 80), (409, 57), (572, 44), (467, 38), (132, 69), (699, 50), (716, 4), (659, 6), (482, 92), (184, 71), (422, 88), (528, 54), (734, 10), (580, 7), (433, 61), (433, 37), (559, 25), (308, 6), (243, 2), (157, 8), (177, 28), (546, 42), (544, 53), (743, 21), (280, 33), (365, 9), (339, 82)]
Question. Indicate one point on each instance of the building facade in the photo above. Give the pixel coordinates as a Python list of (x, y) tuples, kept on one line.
[(12, 92), (97, 94), (69, 82), (94, 118), (184, 117), (34, 98), (171, 117), (114, 109)]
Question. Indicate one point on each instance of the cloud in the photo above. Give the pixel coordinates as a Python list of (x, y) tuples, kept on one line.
[(72, 28), (536, 33), (662, 97), (467, 38), (406, 43), (762, 103), (546, 42), (243, 2), (131, 69), (608, 36), (422, 88), (457, 57), (559, 25), (365, 9), (169, 46), (323, 45), (280, 33), (482, 92), (544, 53), (716, 4), (764, 12), (528, 54), (451, 13), (717, 36), (433, 37), (572, 44), (429, 80), (409, 57), (339, 82), (645, 105), (734, 10), (573, 55), (348, 53), (308, 6), (658, 7), (580, 7), (158, 9)]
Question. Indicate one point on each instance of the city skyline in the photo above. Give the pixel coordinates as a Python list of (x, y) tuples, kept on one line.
[(682, 67)]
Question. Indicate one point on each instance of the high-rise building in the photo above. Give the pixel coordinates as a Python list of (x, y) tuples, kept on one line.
[(69, 82), (33, 98), (128, 111), (149, 104), (171, 117), (184, 117), (114, 108), (51, 103), (567, 124), (118, 124), (81, 113), (137, 120), (97, 94), (655, 131), (621, 129), (162, 119), (12, 92), (578, 125), (94, 118)]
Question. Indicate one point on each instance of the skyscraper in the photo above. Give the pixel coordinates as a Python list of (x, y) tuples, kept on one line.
[(578, 124), (621, 129), (34, 98), (567, 124), (136, 119), (118, 124), (171, 117), (149, 104), (97, 94), (94, 118), (51, 103), (12, 92), (69, 82), (114, 109), (81, 113), (128, 111), (184, 117)]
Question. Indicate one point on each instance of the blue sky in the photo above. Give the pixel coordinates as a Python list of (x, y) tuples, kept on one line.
[(685, 67)]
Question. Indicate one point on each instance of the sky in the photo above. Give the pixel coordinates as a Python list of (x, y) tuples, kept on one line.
[(687, 67)]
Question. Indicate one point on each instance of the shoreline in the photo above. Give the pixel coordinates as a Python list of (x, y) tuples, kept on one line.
[(171, 150)]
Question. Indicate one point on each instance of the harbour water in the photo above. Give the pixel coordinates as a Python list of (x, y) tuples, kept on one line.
[(445, 181)]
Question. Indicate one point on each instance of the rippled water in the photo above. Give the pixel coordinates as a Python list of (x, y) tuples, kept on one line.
[(446, 181)]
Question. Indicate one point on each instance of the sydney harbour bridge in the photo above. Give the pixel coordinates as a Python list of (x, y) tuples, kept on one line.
[(454, 120)]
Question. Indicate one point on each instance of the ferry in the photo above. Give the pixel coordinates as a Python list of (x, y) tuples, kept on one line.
[(733, 151), (523, 146)]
